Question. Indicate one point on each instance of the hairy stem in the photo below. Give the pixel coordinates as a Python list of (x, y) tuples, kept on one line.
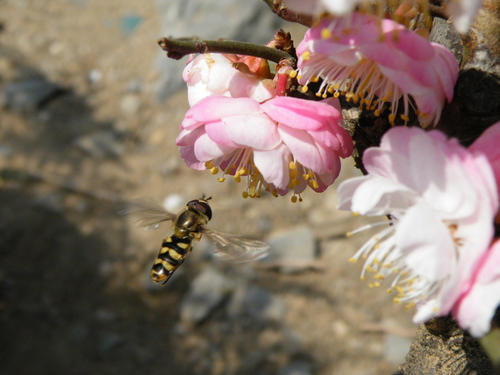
[(178, 48)]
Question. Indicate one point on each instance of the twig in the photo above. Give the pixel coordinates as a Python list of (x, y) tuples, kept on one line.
[(285, 13), (178, 48)]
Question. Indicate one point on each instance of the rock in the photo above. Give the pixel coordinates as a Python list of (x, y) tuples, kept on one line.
[(5, 151), (297, 368), (100, 144), (291, 250), (108, 341), (130, 104), (257, 304), (396, 348), (171, 166), (95, 76), (51, 202), (206, 293), (248, 21), (135, 86), (28, 95), (129, 23), (173, 202)]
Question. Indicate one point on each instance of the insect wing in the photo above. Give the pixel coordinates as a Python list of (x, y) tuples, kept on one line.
[(235, 248), (147, 214)]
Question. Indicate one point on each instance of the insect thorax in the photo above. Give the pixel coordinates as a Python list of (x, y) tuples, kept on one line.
[(189, 222)]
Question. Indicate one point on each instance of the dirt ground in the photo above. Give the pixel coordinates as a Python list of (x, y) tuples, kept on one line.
[(75, 295)]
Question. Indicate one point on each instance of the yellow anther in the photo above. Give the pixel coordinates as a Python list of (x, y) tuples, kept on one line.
[(221, 179), (244, 194), (368, 269), (214, 170), (330, 89), (306, 56), (299, 77), (392, 118), (293, 199), (304, 89), (361, 278), (326, 34), (389, 291), (352, 259), (377, 112), (314, 79), (292, 73), (237, 178), (404, 117), (354, 213), (396, 300), (377, 284), (371, 285), (318, 94), (209, 165), (435, 309), (379, 276), (348, 235)]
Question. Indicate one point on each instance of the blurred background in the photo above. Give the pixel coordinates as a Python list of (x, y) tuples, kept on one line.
[(89, 115)]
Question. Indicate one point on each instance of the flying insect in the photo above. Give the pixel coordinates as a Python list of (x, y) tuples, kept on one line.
[(190, 224)]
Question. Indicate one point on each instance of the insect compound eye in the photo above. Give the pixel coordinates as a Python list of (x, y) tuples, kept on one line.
[(200, 206)]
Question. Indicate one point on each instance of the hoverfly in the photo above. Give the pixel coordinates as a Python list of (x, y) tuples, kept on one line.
[(188, 225)]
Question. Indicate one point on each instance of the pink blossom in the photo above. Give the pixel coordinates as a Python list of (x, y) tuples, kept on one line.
[(441, 199), (374, 62), (462, 13), (283, 144), (215, 74), (476, 307), (489, 144)]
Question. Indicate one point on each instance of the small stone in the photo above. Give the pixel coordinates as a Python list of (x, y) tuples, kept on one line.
[(173, 202), (257, 304), (206, 293), (291, 250), (95, 76), (171, 166), (51, 202), (5, 151), (100, 144), (396, 348), (28, 95), (130, 104), (135, 86), (105, 315), (129, 23), (108, 341), (297, 368)]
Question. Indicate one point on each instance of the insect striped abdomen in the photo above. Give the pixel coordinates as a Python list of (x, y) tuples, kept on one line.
[(173, 251)]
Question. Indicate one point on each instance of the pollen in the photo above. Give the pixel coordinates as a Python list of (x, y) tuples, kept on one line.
[(326, 34), (292, 73), (306, 55), (214, 170), (221, 179)]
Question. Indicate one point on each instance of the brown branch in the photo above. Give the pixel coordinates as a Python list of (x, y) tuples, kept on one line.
[(178, 48), (442, 348), (281, 10)]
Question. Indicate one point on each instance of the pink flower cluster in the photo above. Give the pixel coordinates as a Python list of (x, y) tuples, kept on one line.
[(442, 200), (280, 145), (238, 125), (373, 62)]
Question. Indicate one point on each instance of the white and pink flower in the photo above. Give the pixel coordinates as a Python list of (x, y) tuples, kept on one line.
[(489, 144), (476, 306), (283, 144), (441, 199), (215, 74), (373, 62)]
